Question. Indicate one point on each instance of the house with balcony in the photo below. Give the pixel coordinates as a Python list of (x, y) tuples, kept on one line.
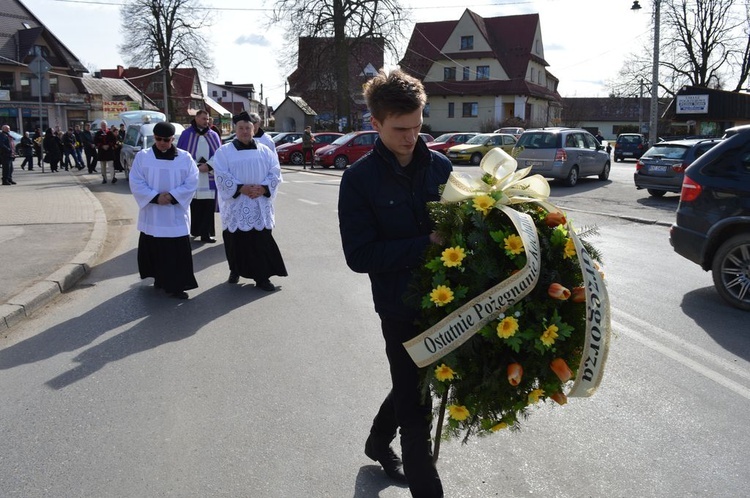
[(28, 49), (482, 73), (314, 80)]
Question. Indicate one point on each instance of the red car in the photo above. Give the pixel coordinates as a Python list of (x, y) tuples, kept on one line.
[(291, 153), (448, 140), (346, 150)]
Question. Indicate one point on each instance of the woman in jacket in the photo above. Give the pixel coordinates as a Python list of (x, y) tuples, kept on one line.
[(52, 151)]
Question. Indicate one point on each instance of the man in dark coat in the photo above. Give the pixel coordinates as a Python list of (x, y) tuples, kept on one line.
[(106, 142), (385, 229), (89, 149)]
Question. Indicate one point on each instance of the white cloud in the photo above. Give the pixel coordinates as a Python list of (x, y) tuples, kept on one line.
[(258, 40)]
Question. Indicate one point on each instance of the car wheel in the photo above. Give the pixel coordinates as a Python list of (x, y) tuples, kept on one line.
[(731, 271), (340, 162), (297, 158), (656, 193), (572, 177), (476, 159), (604, 175)]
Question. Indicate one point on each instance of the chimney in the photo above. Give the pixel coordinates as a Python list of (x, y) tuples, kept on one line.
[(120, 71)]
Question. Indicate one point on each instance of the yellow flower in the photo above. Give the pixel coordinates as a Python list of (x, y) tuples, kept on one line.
[(444, 372), (513, 244), (549, 335), (453, 256), (535, 395), (570, 248), (441, 295), (458, 412), (499, 427), (507, 327), (483, 203)]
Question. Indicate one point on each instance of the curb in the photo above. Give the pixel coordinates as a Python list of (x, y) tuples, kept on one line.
[(28, 301)]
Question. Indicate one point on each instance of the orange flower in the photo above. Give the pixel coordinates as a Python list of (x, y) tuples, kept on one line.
[(554, 219), (578, 295), (561, 369), (557, 291), (515, 373), (560, 398)]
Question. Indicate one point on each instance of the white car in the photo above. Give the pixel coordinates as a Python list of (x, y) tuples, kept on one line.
[(139, 134)]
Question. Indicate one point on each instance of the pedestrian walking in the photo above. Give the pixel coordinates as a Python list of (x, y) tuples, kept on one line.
[(105, 142), (89, 149), (163, 180), (52, 150), (385, 229), (26, 149), (7, 150), (307, 147), (248, 176)]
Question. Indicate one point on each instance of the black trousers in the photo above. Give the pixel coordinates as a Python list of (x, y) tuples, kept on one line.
[(90, 153), (405, 407)]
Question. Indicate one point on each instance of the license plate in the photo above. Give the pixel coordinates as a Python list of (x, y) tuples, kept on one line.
[(657, 169), (627, 153), (452, 154), (533, 163)]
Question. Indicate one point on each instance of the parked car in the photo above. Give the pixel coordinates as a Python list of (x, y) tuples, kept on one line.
[(630, 145), (565, 154), (292, 152), (662, 167), (448, 140), (286, 137), (712, 227), (426, 137), (511, 130), (139, 134), (346, 150), (476, 147)]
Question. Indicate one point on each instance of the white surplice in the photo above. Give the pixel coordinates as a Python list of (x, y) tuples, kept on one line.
[(233, 168), (150, 176)]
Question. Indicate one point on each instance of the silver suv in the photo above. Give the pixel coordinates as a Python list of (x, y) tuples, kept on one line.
[(565, 154)]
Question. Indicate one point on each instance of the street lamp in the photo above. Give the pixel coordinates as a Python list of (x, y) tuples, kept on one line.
[(654, 116)]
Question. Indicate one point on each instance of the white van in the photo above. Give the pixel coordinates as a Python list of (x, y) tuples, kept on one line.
[(139, 134)]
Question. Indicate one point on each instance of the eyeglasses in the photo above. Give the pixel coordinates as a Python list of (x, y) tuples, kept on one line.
[(162, 139)]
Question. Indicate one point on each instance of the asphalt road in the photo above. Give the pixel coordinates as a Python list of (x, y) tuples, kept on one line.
[(117, 390)]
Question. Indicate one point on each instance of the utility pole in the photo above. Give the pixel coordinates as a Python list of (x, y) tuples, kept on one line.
[(166, 97)]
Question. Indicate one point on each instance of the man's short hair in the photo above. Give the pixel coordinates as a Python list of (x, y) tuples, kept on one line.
[(395, 93), (254, 118), (201, 112)]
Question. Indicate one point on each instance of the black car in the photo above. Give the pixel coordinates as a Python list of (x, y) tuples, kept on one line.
[(661, 168), (630, 145), (712, 227)]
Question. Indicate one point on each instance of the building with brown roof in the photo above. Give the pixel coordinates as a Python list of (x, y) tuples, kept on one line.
[(27, 45), (482, 73), (314, 79)]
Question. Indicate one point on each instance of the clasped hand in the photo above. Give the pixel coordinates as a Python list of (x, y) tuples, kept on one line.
[(253, 191), (164, 198)]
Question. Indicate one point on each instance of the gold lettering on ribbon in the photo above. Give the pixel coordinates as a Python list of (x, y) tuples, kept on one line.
[(458, 327)]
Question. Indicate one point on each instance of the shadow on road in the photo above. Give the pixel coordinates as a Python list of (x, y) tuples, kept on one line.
[(730, 332), (371, 480)]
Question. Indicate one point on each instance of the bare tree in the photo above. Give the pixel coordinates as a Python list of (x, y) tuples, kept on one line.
[(347, 22), (166, 34), (702, 44)]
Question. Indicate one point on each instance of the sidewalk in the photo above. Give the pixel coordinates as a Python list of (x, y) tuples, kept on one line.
[(51, 231)]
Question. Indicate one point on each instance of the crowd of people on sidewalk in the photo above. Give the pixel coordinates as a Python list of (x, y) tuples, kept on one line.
[(76, 148)]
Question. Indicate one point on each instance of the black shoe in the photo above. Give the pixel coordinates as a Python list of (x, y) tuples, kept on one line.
[(208, 240), (266, 285), (7, 183), (387, 458), (104, 181), (12, 182), (233, 278), (114, 180), (179, 295)]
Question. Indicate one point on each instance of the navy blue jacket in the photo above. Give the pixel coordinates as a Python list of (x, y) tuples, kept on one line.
[(384, 223)]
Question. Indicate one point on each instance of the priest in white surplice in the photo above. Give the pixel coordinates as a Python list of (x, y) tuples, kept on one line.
[(163, 180), (248, 176)]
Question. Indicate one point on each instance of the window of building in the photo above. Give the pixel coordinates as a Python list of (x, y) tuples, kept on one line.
[(7, 80), (451, 109), (449, 73), (467, 43), (40, 50), (533, 72), (470, 109), (483, 72), (223, 93), (426, 110), (155, 86), (214, 93), (197, 87), (54, 85), (467, 73)]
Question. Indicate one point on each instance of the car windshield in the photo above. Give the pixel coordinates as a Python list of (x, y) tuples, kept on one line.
[(344, 139), (443, 138), (478, 139), (666, 151), (629, 139), (540, 140)]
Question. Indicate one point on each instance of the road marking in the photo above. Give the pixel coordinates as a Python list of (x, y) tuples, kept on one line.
[(684, 360), (309, 202)]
